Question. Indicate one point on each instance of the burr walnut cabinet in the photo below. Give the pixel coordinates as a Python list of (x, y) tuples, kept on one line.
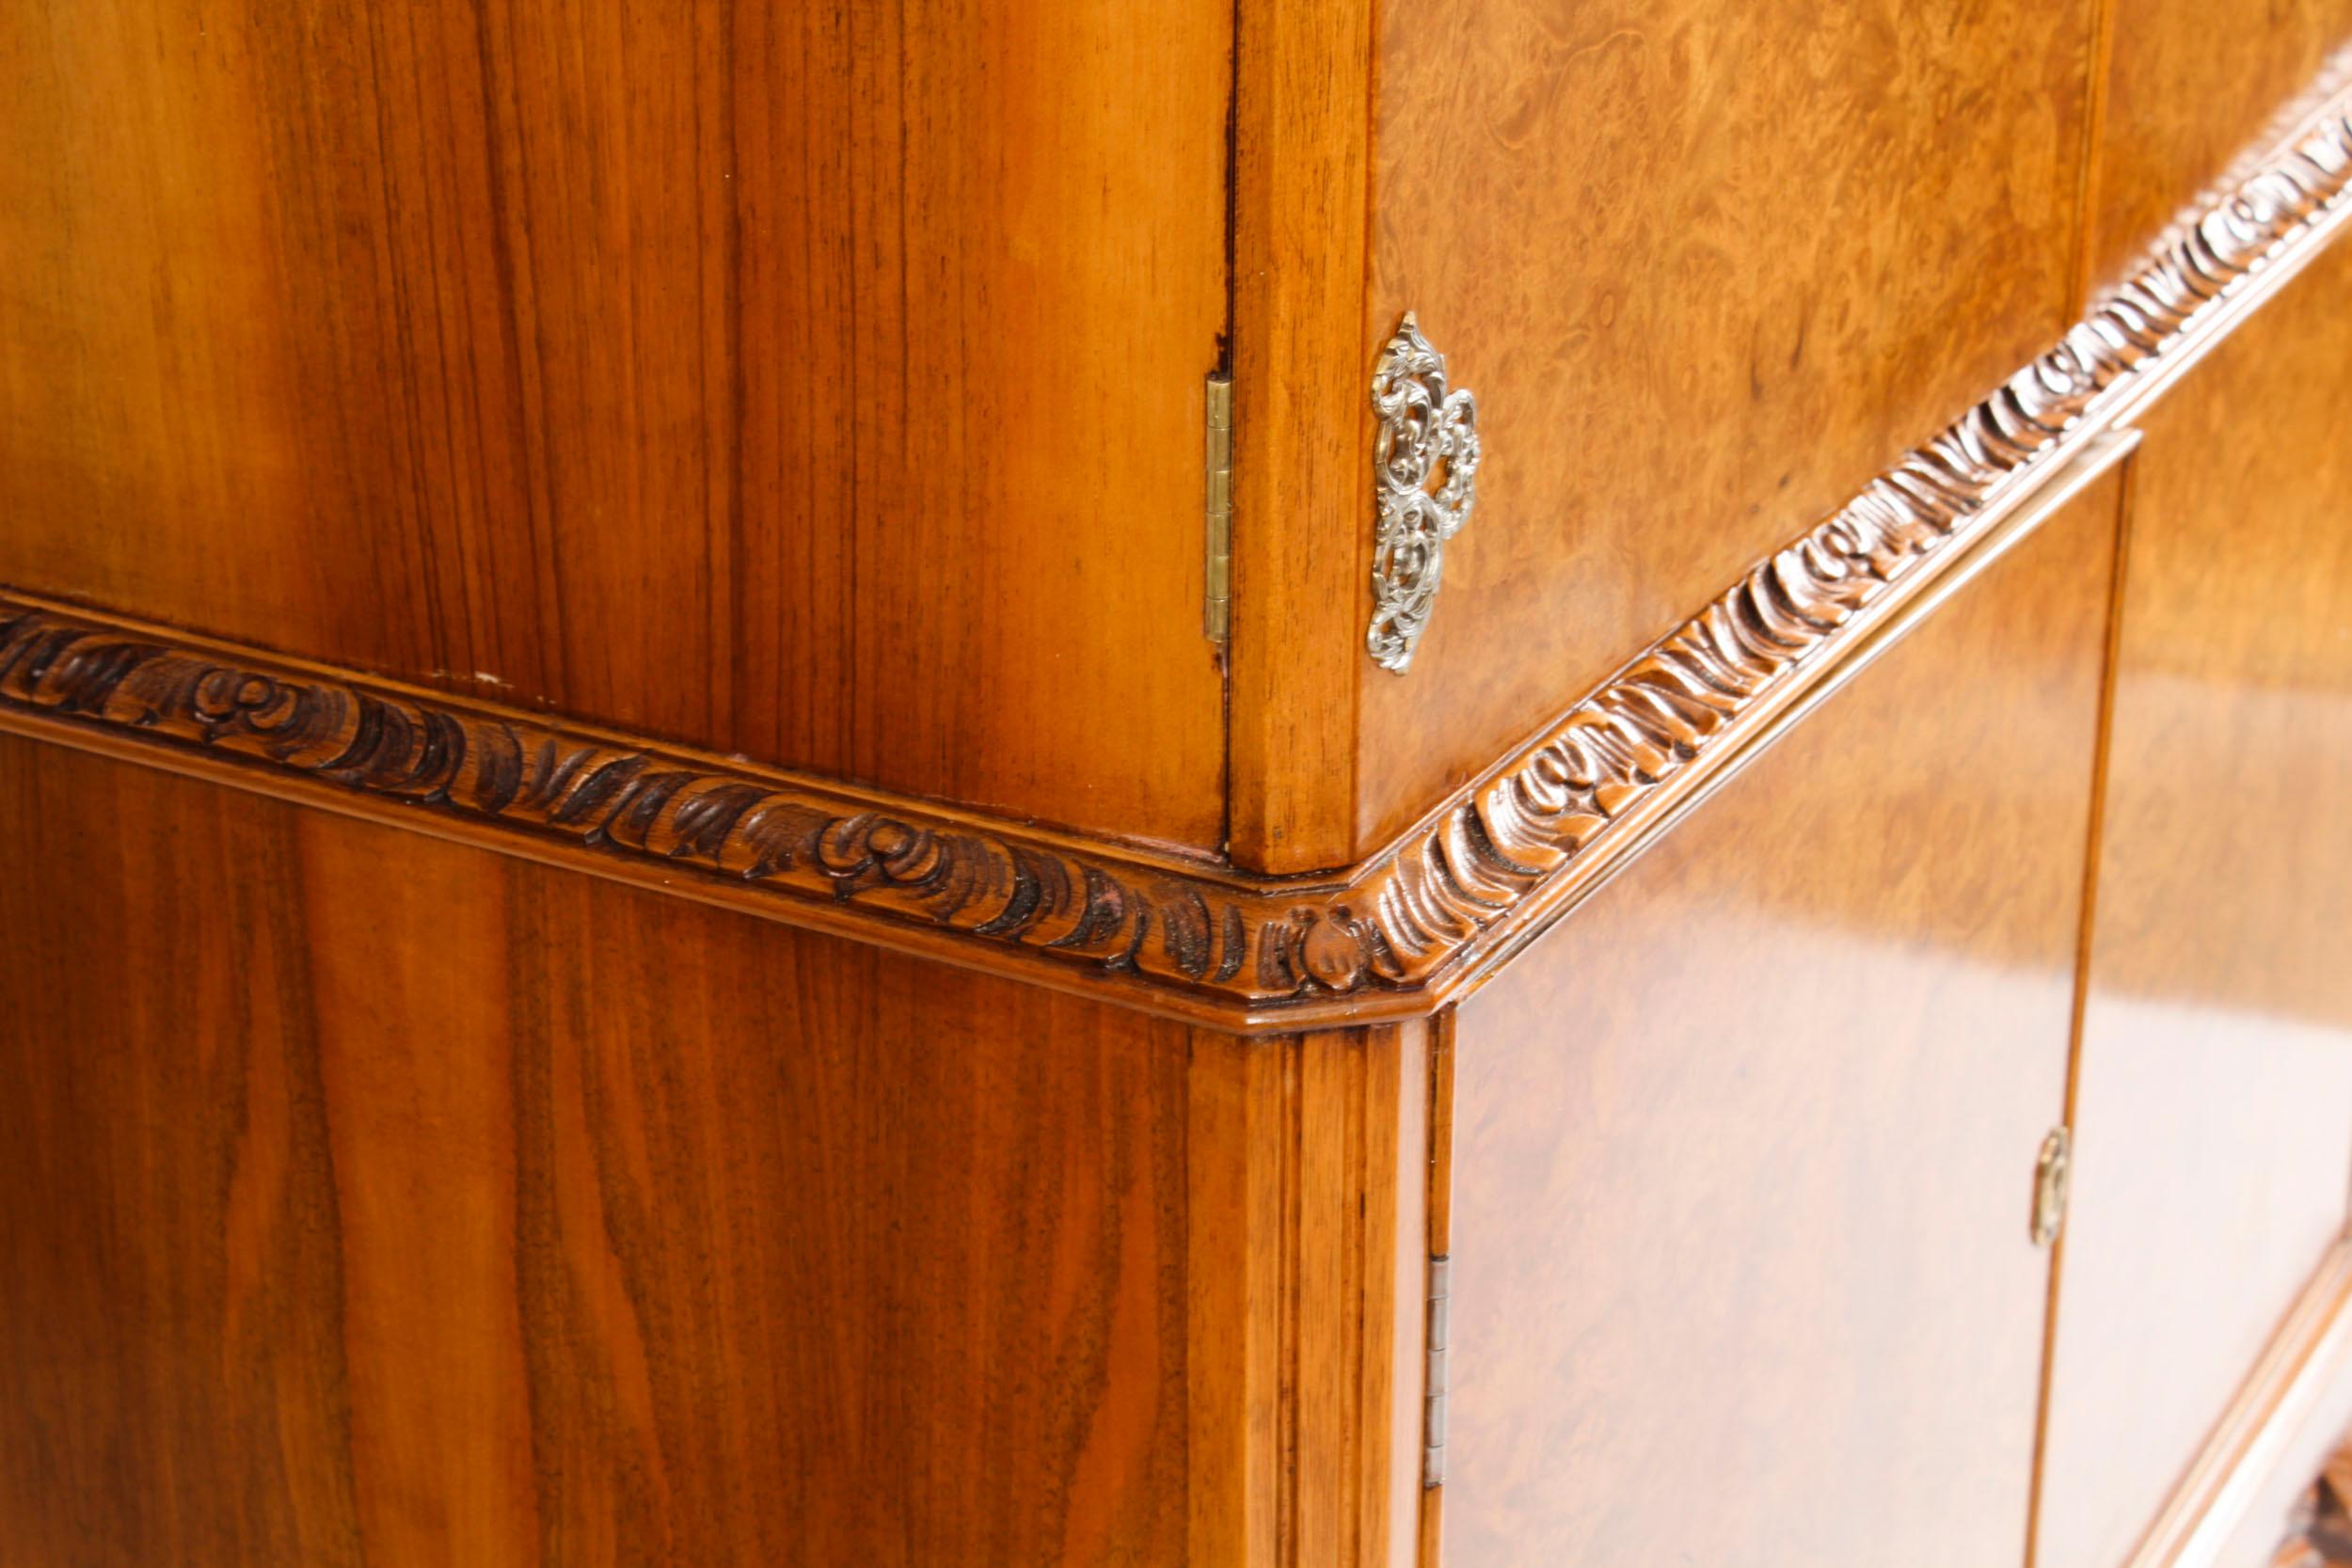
[(1123, 781)]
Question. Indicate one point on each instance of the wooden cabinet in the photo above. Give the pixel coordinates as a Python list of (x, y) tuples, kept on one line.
[(1282, 785)]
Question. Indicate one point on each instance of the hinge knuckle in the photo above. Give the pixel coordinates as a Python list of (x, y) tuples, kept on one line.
[(1217, 607)]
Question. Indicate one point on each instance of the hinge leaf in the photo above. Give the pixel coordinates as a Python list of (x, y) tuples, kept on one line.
[(1433, 1408), (1217, 603)]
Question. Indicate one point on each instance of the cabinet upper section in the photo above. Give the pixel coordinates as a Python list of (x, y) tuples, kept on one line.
[(824, 386)]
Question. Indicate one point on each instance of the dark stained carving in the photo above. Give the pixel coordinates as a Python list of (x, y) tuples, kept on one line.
[(1150, 919)]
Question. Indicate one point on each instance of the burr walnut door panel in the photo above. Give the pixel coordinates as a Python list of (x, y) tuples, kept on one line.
[(1708, 268), (1744, 1153), (817, 382), (2213, 1106), (366, 1198)]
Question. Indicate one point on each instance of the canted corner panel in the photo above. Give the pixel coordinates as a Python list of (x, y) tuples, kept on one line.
[(1398, 934)]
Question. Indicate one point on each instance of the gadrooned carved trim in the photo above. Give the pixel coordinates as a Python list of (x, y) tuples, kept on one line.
[(1390, 936), (1425, 430)]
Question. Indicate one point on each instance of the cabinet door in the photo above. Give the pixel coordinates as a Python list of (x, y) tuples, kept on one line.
[(817, 382), (1742, 1258), (2213, 1108)]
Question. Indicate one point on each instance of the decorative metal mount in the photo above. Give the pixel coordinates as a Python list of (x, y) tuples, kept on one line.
[(1423, 428)]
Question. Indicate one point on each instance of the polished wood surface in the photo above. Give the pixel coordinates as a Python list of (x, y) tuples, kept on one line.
[(1303, 81), (2189, 84), (2319, 1533), (822, 383), (1706, 269), (1742, 1152), (634, 471), (1155, 930), (1307, 1195), (2293, 1406), (370, 1198), (2213, 1136), (1420, 921)]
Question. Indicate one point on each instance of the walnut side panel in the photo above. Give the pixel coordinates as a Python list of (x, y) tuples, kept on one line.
[(487, 1213)]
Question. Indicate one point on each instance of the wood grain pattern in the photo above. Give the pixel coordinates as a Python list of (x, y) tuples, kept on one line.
[(1742, 1152), (1706, 269), (1305, 1195), (720, 831), (819, 383), (824, 384), (2213, 1136), (2189, 85), (387, 1201), (1303, 86)]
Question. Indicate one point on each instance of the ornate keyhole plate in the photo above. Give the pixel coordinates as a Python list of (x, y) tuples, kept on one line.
[(1427, 435)]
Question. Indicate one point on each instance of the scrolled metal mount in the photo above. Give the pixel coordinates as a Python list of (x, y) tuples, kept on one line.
[(1423, 429)]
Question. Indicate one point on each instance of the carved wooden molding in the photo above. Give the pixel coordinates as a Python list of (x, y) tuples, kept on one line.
[(2319, 1533), (1401, 933), (784, 840)]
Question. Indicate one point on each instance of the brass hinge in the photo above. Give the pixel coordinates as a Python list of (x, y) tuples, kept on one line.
[(1433, 1398), (1217, 612), (2052, 1175)]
